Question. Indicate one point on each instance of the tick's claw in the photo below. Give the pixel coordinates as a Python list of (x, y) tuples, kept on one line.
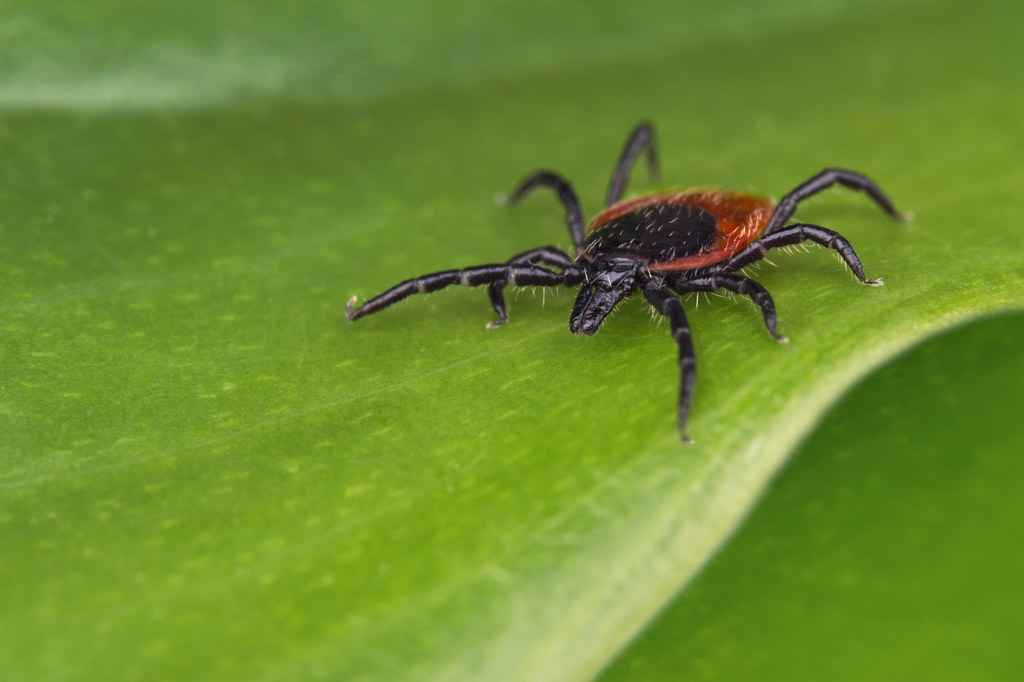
[(350, 307)]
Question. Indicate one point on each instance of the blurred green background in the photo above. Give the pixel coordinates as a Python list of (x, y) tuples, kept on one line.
[(206, 473)]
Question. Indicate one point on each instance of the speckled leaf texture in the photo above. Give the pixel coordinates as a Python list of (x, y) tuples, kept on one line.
[(207, 474)]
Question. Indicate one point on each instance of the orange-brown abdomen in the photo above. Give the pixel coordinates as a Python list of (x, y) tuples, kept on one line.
[(678, 230)]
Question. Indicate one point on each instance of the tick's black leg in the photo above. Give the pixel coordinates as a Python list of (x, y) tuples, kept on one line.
[(497, 297), (824, 180), (795, 234), (666, 303), (573, 214), (525, 275), (738, 284), (640, 140), (547, 255)]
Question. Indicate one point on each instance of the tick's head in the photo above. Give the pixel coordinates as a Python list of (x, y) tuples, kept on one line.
[(608, 282)]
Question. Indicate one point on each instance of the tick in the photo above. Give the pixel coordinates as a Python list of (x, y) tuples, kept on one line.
[(663, 244)]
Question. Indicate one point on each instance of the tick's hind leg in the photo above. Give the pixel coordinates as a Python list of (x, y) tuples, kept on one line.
[(822, 181), (525, 274), (566, 194), (547, 255), (640, 140), (666, 303), (795, 234), (738, 284)]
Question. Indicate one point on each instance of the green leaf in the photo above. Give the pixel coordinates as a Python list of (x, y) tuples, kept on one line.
[(888, 549), (206, 473)]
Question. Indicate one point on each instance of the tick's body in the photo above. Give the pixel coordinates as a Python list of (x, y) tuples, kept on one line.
[(663, 244), (683, 230)]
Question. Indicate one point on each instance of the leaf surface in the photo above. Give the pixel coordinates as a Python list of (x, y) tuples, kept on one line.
[(206, 473)]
